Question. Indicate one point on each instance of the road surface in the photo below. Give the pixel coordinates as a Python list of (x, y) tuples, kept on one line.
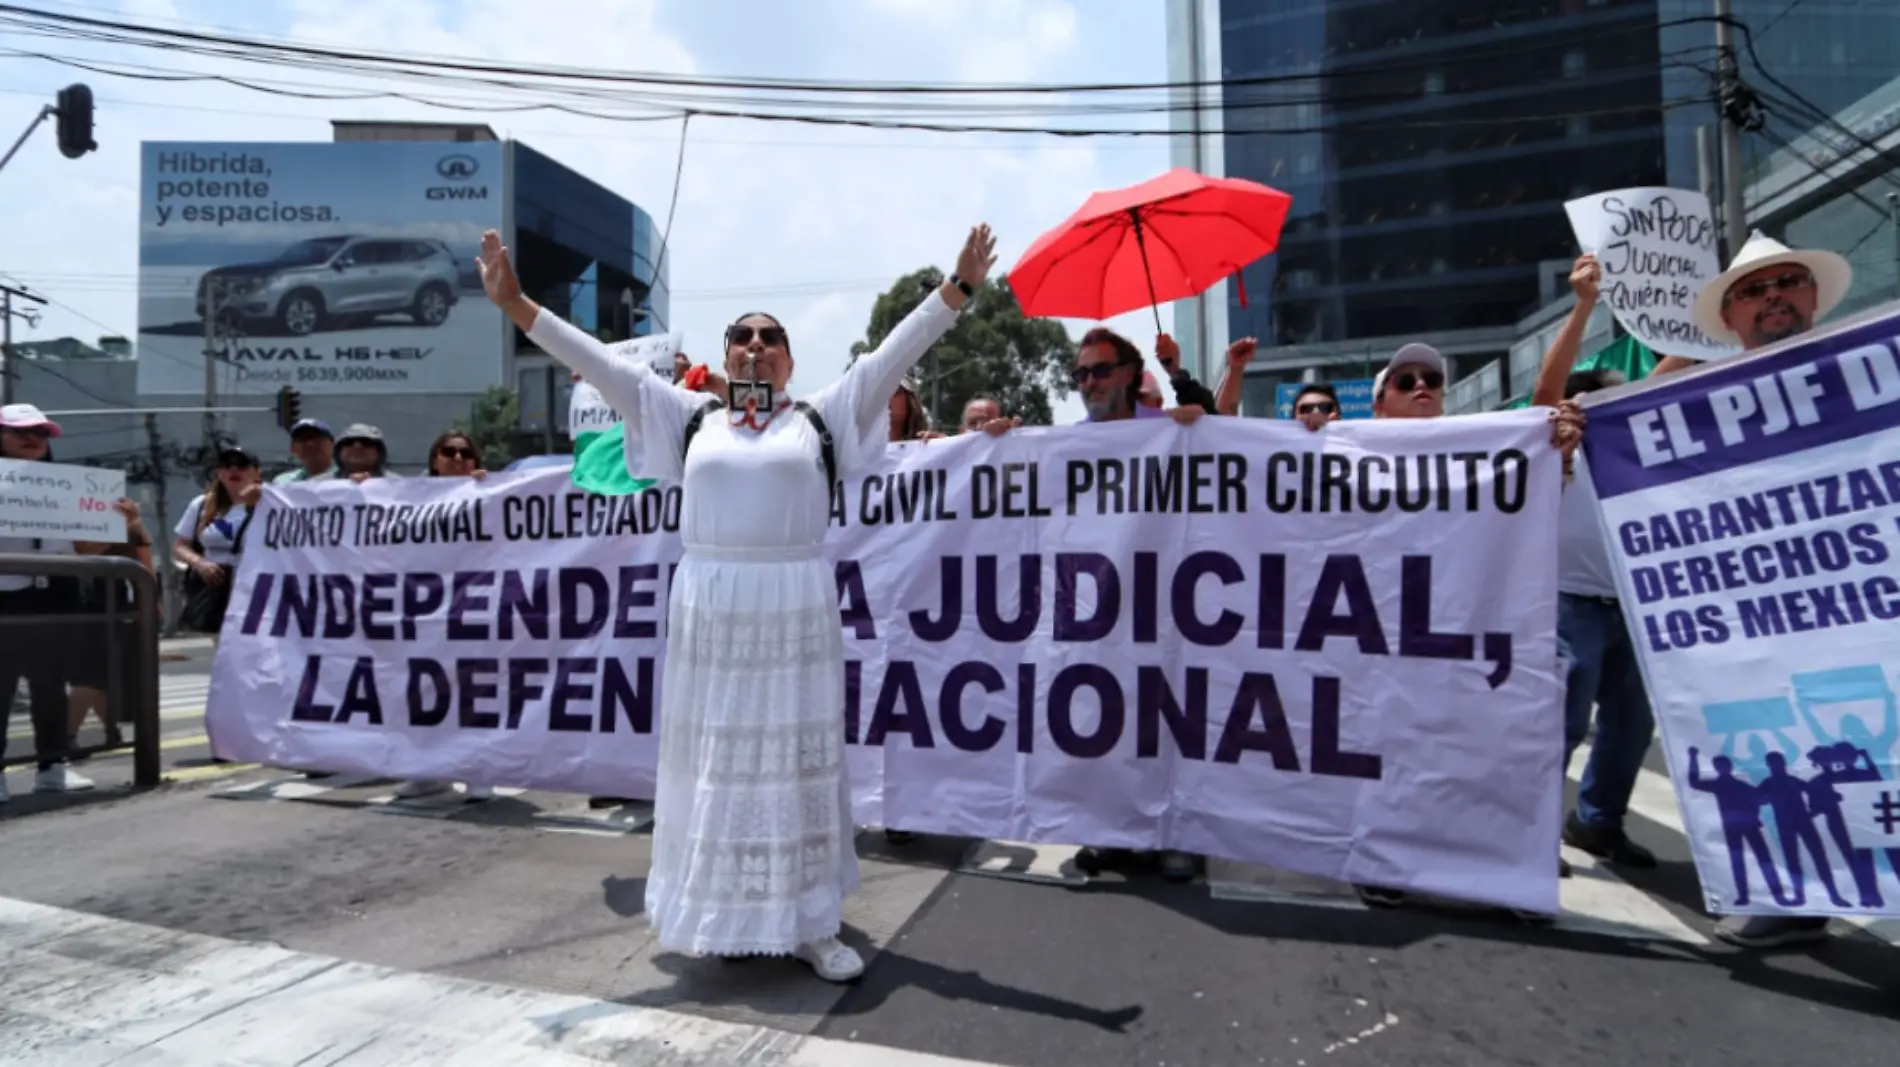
[(240, 915)]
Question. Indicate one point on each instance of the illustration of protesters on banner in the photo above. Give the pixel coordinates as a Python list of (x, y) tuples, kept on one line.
[(1860, 767), (1839, 764), (1787, 798), (1740, 802)]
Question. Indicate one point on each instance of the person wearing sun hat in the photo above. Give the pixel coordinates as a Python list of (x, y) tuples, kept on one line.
[(1769, 293)]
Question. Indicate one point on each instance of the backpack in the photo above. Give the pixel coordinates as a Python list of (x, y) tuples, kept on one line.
[(826, 450)]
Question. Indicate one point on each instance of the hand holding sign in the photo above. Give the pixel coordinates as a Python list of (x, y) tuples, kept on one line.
[(1654, 250)]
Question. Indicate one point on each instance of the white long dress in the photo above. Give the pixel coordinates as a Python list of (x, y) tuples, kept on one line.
[(753, 841)]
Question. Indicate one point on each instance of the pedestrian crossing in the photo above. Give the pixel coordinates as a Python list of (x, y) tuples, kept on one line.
[(82, 988)]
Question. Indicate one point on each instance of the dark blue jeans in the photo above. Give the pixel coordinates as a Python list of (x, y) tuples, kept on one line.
[(1592, 636)]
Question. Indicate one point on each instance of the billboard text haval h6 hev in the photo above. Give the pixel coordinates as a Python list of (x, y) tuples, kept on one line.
[(336, 283)]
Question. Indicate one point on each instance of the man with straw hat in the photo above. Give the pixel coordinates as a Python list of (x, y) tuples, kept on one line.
[(1768, 294)]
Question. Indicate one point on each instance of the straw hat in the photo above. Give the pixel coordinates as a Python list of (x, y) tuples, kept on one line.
[(1832, 276)]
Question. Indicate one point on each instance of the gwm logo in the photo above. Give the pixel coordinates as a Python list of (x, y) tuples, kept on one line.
[(457, 168)]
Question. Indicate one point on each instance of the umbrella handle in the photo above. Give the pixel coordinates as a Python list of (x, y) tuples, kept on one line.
[(1142, 246)]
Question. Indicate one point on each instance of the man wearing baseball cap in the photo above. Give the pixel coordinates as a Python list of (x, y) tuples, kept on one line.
[(1412, 385), (315, 448), (1769, 293)]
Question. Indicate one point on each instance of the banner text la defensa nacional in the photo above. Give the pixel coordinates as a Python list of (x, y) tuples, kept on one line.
[(1332, 653), (1753, 512)]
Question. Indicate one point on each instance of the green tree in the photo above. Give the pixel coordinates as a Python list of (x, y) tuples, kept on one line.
[(993, 349), (494, 424)]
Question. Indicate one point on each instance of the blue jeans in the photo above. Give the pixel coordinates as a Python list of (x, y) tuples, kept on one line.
[(1592, 636)]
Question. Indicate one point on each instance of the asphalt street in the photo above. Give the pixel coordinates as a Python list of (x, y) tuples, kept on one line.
[(534, 893)]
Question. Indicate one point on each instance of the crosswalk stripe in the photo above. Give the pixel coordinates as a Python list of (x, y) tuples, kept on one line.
[(95, 990)]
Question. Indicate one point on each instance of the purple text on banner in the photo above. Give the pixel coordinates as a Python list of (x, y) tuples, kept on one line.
[(1840, 385)]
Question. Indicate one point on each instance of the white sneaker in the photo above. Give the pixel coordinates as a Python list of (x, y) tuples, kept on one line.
[(420, 788), (60, 778), (834, 960), (478, 792)]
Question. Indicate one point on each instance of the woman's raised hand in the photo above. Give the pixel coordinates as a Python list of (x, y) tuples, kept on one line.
[(978, 256), (498, 275)]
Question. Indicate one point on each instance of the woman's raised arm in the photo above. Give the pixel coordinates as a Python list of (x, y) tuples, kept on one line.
[(879, 372), (622, 382)]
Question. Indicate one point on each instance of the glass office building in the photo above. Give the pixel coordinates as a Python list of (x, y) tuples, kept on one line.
[(1430, 146), (585, 251)]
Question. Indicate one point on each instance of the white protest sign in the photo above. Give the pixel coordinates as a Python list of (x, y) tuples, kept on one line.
[(1657, 250), (589, 412), (1038, 646), (60, 501)]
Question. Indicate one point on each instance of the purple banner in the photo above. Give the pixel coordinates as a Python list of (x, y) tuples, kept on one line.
[(1840, 384)]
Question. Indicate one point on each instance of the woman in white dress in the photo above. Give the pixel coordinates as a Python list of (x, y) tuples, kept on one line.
[(753, 841)]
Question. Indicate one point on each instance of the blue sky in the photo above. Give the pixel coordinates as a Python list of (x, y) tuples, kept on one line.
[(808, 222)]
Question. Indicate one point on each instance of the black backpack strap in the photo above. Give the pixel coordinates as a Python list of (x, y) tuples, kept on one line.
[(827, 451), (237, 541), (692, 428)]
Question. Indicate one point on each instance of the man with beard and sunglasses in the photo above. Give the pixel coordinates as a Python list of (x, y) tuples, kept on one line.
[(1108, 374), (1769, 293)]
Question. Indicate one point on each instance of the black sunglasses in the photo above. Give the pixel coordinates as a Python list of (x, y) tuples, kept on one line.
[(1320, 407), (235, 463), (741, 334), (451, 452), (1781, 283), (1095, 371), (1405, 383)]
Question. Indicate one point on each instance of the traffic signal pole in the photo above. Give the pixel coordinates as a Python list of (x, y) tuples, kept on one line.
[(46, 112)]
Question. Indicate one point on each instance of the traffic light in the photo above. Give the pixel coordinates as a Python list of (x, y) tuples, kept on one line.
[(289, 408), (75, 121)]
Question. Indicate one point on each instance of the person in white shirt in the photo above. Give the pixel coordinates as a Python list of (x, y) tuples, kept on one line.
[(210, 534), (1593, 640), (34, 652), (753, 842)]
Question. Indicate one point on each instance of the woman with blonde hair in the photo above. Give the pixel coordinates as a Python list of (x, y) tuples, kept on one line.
[(210, 538)]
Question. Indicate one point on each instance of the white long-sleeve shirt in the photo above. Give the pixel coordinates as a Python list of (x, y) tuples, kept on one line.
[(745, 488)]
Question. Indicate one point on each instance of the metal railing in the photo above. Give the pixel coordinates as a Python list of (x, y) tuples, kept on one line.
[(131, 672)]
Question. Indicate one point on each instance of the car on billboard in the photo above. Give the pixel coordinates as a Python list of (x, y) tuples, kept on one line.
[(337, 282)]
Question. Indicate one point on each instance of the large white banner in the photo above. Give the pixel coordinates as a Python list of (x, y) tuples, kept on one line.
[(1331, 652), (1753, 511)]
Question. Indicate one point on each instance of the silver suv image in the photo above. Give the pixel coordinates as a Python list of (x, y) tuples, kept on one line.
[(335, 283)]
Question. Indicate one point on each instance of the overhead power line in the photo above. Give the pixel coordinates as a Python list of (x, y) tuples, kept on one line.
[(124, 32)]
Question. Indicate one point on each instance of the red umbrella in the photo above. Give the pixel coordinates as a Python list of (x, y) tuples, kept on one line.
[(1167, 238)]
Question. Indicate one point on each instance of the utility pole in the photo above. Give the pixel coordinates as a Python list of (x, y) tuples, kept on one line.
[(213, 289), (7, 293), (1734, 212), (162, 545)]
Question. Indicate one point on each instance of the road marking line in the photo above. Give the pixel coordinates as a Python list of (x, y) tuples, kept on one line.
[(201, 774), (97, 990)]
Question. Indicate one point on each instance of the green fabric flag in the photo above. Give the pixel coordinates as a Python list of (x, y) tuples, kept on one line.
[(600, 463), (1626, 354)]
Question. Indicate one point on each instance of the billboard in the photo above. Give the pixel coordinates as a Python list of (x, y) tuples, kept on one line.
[(332, 267), (1355, 398)]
